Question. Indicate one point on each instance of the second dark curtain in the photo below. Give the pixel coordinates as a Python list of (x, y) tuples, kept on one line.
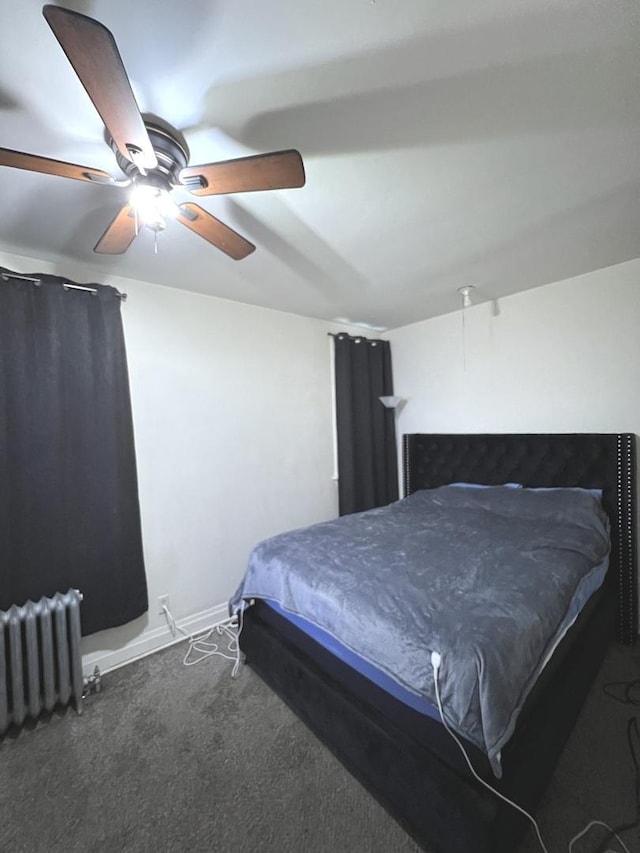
[(367, 461)]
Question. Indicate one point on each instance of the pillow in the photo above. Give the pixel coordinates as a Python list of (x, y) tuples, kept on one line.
[(597, 493), (482, 486)]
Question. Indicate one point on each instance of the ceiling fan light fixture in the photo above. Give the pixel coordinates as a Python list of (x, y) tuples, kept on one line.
[(152, 205)]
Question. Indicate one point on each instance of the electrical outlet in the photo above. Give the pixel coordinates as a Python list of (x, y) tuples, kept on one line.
[(163, 601)]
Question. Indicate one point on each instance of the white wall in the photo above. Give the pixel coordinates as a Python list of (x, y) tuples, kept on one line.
[(559, 358), (232, 409)]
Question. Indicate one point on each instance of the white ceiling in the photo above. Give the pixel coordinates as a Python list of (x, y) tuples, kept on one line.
[(492, 143)]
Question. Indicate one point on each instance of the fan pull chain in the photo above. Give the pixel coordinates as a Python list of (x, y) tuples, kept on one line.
[(465, 294), (464, 341)]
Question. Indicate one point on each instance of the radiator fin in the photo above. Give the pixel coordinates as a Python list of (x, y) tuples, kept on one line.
[(40, 661), (33, 661)]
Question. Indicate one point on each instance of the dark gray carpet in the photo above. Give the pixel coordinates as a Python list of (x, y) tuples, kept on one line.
[(185, 759)]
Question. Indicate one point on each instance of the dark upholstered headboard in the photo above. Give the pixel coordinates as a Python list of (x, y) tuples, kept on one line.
[(588, 460)]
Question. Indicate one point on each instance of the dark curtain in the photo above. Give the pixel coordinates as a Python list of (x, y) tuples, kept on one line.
[(69, 512), (367, 462)]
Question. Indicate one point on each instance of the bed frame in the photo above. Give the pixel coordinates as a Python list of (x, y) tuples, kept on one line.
[(407, 761)]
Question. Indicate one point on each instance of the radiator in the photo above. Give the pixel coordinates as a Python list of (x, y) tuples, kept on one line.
[(40, 663)]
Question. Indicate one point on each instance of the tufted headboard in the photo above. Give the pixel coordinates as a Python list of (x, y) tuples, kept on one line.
[(590, 460)]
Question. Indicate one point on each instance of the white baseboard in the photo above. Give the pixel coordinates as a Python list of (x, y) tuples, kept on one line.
[(154, 640)]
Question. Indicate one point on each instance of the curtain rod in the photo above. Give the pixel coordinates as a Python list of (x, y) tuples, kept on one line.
[(65, 284), (373, 341)]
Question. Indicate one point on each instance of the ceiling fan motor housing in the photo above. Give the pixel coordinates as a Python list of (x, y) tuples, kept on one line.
[(171, 152)]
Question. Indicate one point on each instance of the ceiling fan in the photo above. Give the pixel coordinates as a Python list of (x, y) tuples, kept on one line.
[(153, 155)]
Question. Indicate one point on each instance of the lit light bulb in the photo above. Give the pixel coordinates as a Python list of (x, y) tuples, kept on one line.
[(152, 205)]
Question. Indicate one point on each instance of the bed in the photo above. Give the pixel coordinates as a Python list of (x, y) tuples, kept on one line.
[(404, 757)]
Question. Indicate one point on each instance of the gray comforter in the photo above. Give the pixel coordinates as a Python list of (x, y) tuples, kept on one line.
[(490, 578)]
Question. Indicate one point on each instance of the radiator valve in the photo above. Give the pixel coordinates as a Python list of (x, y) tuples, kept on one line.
[(92, 683)]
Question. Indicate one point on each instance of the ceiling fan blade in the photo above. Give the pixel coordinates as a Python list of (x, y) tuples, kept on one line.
[(120, 233), (31, 163), (216, 232), (92, 51), (275, 171)]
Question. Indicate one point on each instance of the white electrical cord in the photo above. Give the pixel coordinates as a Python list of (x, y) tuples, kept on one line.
[(436, 660), (200, 643), (606, 826)]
